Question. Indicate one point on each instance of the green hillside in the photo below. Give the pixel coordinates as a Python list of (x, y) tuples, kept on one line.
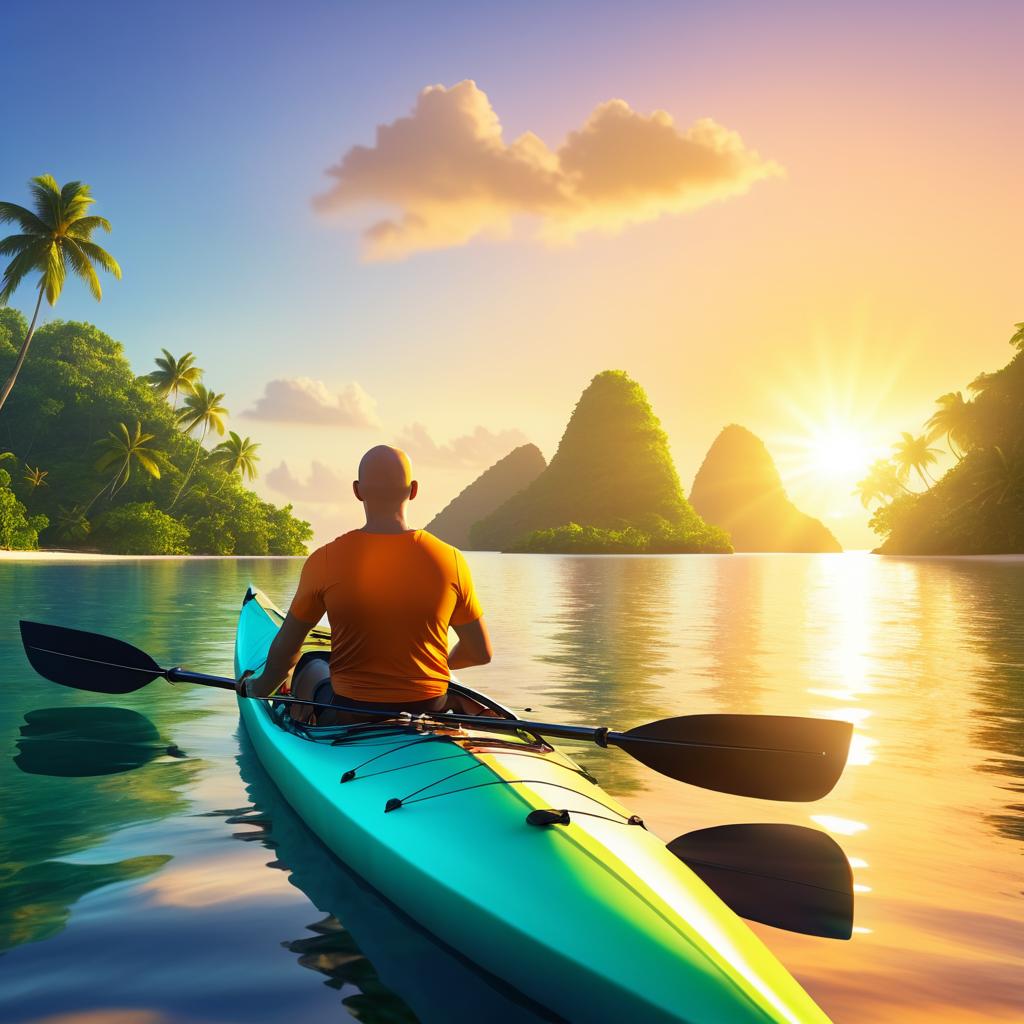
[(977, 507), (611, 486), (64, 431), (486, 493)]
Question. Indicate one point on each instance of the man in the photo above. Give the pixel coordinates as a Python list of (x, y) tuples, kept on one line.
[(390, 594)]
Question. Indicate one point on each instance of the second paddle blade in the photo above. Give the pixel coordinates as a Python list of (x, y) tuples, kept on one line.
[(86, 661), (787, 876), (773, 757)]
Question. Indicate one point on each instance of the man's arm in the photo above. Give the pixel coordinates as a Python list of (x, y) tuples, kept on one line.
[(283, 657), (473, 646)]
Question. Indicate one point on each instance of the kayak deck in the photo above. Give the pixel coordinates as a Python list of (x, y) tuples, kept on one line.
[(593, 919)]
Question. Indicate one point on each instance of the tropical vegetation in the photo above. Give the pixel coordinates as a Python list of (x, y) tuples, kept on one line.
[(52, 238), (98, 458), (977, 505)]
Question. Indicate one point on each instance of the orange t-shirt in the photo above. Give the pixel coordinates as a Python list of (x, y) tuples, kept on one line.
[(390, 598)]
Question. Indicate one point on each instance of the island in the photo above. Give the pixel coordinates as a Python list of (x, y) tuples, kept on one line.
[(487, 493), (610, 488), (739, 489)]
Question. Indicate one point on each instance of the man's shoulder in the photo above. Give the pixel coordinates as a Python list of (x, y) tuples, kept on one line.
[(439, 547), (429, 540)]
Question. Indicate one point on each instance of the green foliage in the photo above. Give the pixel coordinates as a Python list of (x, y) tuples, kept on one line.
[(140, 528), (663, 538), (612, 470), (77, 390), (978, 505), (52, 237), (18, 530)]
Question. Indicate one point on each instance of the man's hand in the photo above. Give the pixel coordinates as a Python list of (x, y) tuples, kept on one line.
[(241, 687)]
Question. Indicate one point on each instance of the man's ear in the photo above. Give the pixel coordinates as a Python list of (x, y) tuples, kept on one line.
[(414, 489), (355, 490)]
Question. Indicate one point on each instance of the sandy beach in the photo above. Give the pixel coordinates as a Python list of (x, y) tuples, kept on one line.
[(51, 555)]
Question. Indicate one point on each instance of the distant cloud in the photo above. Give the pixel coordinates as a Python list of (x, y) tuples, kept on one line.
[(452, 177), (323, 487), (481, 448), (302, 400)]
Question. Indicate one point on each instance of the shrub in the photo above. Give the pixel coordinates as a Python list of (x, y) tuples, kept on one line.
[(140, 528)]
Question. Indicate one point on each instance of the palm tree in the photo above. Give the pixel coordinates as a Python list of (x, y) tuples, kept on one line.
[(72, 523), (124, 449), (202, 408), (953, 419), (881, 484), (981, 383), (35, 477), (913, 453), (174, 375), (236, 455), (54, 237), (1001, 475), (1018, 336)]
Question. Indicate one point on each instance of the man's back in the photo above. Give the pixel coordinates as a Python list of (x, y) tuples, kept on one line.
[(390, 598)]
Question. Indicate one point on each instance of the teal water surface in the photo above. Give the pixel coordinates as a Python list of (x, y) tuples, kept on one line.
[(149, 872)]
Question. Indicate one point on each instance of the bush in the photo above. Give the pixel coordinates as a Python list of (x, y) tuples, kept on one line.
[(18, 530), (140, 528), (656, 538)]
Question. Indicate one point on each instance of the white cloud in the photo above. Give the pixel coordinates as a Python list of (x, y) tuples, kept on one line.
[(303, 400), (324, 486), (481, 448), (451, 176)]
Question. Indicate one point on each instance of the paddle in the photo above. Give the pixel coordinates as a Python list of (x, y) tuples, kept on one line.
[(787, 876), (772, 757)]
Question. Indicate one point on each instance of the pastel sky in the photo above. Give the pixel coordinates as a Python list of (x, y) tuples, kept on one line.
[(802, 217)]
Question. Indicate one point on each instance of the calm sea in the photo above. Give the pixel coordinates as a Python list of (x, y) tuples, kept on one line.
[(180, 889)]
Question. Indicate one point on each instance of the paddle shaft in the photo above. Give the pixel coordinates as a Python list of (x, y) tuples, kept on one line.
[(600, 735)]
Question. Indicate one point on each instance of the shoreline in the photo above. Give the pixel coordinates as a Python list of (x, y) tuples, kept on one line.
[(58, 555)]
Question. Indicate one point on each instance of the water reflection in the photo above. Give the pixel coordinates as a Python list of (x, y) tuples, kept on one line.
[(999, 686), (61, 750), (80, 742), (386, 969)]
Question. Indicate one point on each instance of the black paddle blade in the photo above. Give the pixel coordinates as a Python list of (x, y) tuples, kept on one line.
[(787, 876), (774, 757), (86, 661)]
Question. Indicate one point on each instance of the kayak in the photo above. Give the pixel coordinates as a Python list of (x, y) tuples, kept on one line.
[(589, 917)]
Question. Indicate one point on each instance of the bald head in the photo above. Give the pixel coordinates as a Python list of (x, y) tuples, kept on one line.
[(385, 476)]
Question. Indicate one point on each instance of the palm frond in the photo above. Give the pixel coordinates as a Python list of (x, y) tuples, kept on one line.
[(101, 256), (46, 199), (15, 244), (54, 274), (107, 459), (19, 267), (83, 227), (148, 464), (25, 219), (83, 267)]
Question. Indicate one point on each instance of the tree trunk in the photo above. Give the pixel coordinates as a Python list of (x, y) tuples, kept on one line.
[(24, 352)]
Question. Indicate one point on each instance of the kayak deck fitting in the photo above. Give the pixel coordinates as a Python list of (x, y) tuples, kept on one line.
[(509, 853)]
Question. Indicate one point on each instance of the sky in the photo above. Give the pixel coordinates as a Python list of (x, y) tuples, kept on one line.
[(433, 224)]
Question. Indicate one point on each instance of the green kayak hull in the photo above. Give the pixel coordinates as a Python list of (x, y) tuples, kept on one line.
[(592, 921)]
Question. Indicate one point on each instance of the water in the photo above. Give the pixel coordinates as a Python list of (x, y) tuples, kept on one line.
[(180, 889)]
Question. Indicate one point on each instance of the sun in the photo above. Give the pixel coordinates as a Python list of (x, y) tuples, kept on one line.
[(838, 452)]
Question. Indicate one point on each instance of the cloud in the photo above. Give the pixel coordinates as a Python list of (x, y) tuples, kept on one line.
[(323, 487), (481, 448), (302, 400), (451, 176)]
